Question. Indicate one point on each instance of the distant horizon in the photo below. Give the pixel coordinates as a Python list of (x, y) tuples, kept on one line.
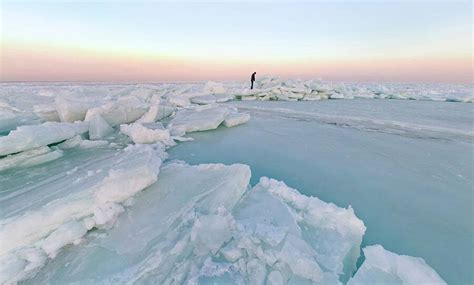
[(351, 41), (231, 81)]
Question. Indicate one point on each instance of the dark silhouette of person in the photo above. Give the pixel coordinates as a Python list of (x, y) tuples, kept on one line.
[(252, 79)]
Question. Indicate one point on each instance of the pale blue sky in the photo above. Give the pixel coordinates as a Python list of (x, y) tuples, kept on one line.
[(243, 28), (261, 32)]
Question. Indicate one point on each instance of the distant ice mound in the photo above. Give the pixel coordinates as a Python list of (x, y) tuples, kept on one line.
[(275, 88)]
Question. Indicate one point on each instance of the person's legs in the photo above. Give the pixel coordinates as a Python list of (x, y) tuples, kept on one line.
[(251, 84)]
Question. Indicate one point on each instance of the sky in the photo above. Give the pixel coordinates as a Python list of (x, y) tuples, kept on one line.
[(133, 41)]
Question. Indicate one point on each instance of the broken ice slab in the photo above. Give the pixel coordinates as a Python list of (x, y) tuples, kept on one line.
[(214, 230), (11, 119), (235, 119), (123, 111), (71, 109), (29, 158), (199, 119), (156, 240), (143, 135), (384, 267), (29, 137), (38, 227), (99, 128)]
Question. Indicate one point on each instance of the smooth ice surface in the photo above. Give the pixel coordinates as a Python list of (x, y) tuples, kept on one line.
[(384, 267), (413, 190)]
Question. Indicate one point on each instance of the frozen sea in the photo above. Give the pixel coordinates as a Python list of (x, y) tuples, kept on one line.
[(412, 188), (186, 184)]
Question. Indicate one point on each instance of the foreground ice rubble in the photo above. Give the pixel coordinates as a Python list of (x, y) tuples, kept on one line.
[(216, 230), (198, 224), (29, 239)]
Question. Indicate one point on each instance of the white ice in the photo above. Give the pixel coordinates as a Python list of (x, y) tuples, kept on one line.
[(384, 267), (198, 119), (233, 119), (29, 137), (143, 135), (95, 202)]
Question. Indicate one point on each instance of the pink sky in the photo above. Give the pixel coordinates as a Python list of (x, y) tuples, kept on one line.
[(34, 63)]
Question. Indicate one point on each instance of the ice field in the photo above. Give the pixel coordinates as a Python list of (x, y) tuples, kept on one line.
[(210, 183)]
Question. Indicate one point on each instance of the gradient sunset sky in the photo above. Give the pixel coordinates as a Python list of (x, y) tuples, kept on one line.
[(115, 41)]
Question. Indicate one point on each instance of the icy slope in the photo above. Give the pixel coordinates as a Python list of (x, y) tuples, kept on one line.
[(28, 238)]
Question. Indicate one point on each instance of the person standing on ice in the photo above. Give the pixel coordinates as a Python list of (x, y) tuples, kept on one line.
[(252, 79)]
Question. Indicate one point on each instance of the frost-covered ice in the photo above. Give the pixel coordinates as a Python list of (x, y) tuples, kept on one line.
[(85, 197)]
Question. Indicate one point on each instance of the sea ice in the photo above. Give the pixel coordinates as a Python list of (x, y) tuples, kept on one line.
[(29, 137), (73, 109), (123, 111), (384, 267), (204, 99), (99, 128), (29, 158), (157, 112), (79, 142), (47, 112), (198, 119), (143, 135), (92, 203), (10, 119), (234, 119)]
